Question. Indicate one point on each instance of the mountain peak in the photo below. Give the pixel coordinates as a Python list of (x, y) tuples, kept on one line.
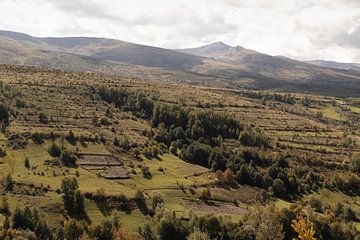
[(219, 46)]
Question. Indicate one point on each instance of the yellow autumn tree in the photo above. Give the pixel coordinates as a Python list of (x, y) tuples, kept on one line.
[(304, 228)]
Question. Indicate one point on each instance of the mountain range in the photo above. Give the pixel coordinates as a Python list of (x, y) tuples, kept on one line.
[(216, 64)]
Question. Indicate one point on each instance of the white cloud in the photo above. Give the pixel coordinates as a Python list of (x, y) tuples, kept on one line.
[(306, 29)]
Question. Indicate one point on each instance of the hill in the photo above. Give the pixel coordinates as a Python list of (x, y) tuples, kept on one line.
[(217, 64), (336, 65), (151, 155)]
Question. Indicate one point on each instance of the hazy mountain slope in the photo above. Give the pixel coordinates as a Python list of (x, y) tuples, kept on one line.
[(336, 65), (109, 49), (213, 65), (269, 72)]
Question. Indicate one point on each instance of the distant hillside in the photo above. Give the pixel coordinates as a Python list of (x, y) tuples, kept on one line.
[(216, 64), (336, 65)]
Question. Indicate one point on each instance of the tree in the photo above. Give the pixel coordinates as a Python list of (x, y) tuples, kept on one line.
[(279, 188), (54, 150), (38, 138), (155, 151), (4, 207), (172, 228), (4, 115), (157, 200), (229, 175), (121, 234), (355, 161), (304, 228), (137, 152), (67, 158), (242, 176), (106, 230), (263, 223), (2, 152), (43, 118), (205, 195), (147, 233), (198, 235), (116, 142), (73, 229), (70, 137), (220, 176), (27, 163), (79, 202), (141, 202), (9, 183), (6, 223), (71, 196)]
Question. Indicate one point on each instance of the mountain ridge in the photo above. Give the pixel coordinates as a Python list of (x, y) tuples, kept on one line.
[(215, 64)]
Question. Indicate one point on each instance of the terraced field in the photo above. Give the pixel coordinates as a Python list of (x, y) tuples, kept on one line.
[(70, 102)]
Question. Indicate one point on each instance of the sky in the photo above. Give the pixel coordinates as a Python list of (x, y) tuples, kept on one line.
[(301, 29)]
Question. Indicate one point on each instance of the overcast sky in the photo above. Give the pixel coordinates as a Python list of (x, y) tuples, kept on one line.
[(303, 29)]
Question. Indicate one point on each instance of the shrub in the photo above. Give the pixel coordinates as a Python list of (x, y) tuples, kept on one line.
[(279, 188), (229, 175), (67, 158), (54, 150), (27, 163), (2, 152), (38, 138), (43, 118), (9, 185)]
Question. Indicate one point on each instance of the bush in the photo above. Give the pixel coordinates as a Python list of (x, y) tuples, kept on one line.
[(54, 150), (38, 138), (43, 118), (279, 188), (9, 185), (67, 158), (205, 195), (70, 137), (229, 175), (2, 152), (4, 114), (27, 163)]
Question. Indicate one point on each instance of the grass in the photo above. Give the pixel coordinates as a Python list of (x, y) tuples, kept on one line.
[(355, 109), (176, 171), (280, 204), (332, 113)]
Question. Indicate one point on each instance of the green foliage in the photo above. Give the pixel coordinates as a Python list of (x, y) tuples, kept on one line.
[(67, 158), (197, 153), (172, 228), (27, 163), (71, 138), (43, 118), (355, 162), (198, 235), (37, 137), (141, 202), (253, 137), (54, 150), (2, 152), (4, 207), (74, 201), (30, 219), (9, 184), (279, 188), (4, 114), (73, 229), (116, 142), (138, 103), (147, 233)]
